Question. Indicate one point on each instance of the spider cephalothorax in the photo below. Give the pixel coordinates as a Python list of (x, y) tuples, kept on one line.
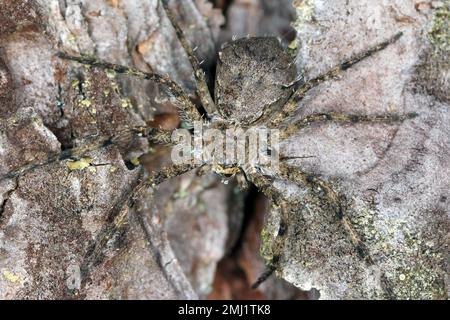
[(254, 77), (256, 86)]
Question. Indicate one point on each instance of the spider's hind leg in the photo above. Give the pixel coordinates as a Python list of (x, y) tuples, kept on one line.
[(299, 94), (265, 185), (279, 241), (128, 199), (320, 188), (333, 199)]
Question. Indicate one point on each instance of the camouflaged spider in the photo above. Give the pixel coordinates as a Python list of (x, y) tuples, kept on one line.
[(256, 84)]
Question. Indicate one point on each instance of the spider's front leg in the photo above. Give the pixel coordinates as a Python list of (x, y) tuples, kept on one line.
[(202, 86), (343, 119), (292, 104), (187, 109)]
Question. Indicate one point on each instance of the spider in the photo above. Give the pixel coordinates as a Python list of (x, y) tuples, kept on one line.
[(256, 85)]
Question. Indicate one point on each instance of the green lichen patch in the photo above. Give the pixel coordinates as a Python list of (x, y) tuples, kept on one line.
[(268, 234), (11, 277), (79, 164), (392, 240), (433, 73), (439, 33), (417, 282), (305, 11), (266, 245)]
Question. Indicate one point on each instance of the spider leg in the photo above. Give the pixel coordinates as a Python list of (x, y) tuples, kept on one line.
[(271, 268), (299, 94), (159, 136), (202, 87), (158, 177), (187, 109), (242, 180), (320, 188), (125, 136), (128, 199), (326, 192), (265, 185), (344, 119)]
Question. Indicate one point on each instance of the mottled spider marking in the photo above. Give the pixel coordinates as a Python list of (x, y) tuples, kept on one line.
[(252, 74)]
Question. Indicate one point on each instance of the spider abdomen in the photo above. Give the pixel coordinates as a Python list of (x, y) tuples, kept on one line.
[(252, 78)]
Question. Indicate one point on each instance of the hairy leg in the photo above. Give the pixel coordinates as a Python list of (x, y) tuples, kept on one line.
[(265, 185), (331, 197), (158, 177), (202, 87), (323, 191), (344, 119), (124, 136), (299, 94), (187, 109), (118, 214)]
